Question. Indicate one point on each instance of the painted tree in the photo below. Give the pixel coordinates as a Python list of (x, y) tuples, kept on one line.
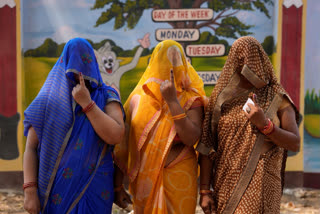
[(224, 22)]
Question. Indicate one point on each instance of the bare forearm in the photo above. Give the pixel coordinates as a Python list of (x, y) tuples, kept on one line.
[(30, 165), (205, 172), (285, 139), (288, 135), (118, 176), (30, 158), (109, 130), (188, 131)]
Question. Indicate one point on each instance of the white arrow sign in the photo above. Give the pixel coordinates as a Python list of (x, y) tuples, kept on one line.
[(177, 34), (167, 15), (209, 77), (205, 50)]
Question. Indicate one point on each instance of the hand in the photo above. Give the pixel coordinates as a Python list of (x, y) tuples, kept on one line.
[(122, 198), (31, 200), (145, 41), (256, 114), (168, 89), (207, 204), (80, 93)]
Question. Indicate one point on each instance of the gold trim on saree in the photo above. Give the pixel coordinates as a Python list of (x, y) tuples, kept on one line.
[(252, 77), (259, 148)]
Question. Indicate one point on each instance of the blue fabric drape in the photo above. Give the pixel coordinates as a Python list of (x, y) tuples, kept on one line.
[(52, 116)]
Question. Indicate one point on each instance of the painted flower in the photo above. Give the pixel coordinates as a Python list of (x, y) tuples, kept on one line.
[(91, 168), (67, 173), (79, 144), (56, 199), (86, 58), (105, 195)]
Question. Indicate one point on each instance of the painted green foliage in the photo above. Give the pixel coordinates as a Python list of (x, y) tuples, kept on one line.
[(50, 48), (312, 102), (224, 22), (268, 45)]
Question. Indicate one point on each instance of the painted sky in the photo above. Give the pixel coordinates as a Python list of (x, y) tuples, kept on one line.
[(312, 52), (62, 20)]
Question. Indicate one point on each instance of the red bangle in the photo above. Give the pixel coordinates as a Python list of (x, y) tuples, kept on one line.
[(268, 129), (88, 107), (272, 130), (29, 184)]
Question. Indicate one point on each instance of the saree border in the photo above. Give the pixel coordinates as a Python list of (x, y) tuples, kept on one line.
[(259, 148), (252, 77), (56, 166), (72, 70)]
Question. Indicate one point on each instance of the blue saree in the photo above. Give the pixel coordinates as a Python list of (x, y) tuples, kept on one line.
[(75, 166)]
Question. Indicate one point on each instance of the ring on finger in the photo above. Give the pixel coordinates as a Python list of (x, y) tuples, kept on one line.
[(248, 110)]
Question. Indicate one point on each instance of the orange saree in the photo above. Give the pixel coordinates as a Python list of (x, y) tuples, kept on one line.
[(150, 133)]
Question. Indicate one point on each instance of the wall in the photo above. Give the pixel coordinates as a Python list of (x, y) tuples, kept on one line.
[(11, 145), (286, 30)]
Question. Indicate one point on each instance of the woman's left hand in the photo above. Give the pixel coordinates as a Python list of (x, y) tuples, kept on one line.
[(80, 93), (168, 89), (256, 114)]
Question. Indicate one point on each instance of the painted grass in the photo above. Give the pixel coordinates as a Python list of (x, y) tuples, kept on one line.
[(312, 124), (208, 63), (37, 68), (36, 71)]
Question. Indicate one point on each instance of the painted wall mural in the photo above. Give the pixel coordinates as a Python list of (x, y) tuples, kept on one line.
[(124, 33), (312, 89)]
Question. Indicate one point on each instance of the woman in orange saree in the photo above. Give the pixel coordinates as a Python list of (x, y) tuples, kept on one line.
[(164, 116)]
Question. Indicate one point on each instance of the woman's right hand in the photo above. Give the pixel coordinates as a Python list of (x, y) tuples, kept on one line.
[(207, 204), (31, 200), (122, 198)]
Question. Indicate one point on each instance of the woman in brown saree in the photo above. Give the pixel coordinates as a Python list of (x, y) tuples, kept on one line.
[(243, 151)]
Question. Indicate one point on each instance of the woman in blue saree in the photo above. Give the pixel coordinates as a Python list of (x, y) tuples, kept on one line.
[(71, 126)]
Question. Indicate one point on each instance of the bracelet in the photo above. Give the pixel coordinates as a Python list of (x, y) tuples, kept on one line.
[(272, 129), (117, 189), (179, 116), (88, 107), (268, 129), (29, 184), (206, 192)]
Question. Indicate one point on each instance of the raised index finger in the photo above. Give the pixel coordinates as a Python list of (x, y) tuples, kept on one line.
[(81, 80), (254, 98), (171, 76)]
